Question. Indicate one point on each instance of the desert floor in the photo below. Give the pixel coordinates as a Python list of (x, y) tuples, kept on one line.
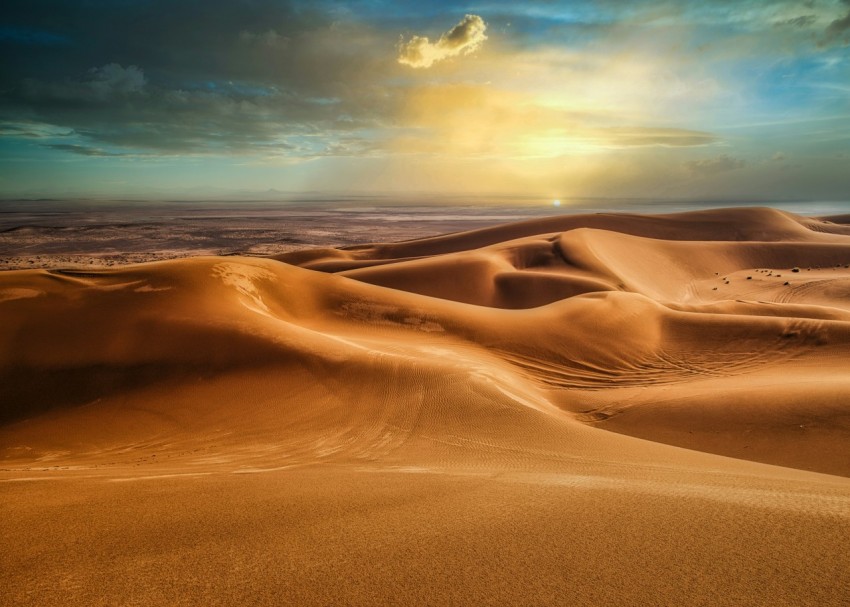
[(599, 409)]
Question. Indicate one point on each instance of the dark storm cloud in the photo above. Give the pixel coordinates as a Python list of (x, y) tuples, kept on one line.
[(190, 76), (117, 106), (838, 28), (169, 38), (29, 36)]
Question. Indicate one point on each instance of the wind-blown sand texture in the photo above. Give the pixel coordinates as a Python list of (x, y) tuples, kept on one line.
[(581, 410)]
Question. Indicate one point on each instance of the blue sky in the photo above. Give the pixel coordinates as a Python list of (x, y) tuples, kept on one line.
[(668, 99)]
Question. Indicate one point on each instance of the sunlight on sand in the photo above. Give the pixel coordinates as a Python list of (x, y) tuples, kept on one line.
[(609, 404)]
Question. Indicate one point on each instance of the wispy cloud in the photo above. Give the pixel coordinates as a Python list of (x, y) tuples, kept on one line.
[(713, 166), (268, 38), (651, 136), (799, 21), (82, 150)]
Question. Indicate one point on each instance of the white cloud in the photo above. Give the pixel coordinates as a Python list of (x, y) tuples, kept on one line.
[(465, 37)]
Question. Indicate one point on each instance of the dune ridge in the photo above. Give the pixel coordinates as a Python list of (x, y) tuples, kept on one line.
[(632, 395)]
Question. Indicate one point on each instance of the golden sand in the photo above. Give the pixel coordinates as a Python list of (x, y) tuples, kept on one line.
[(582, 410)]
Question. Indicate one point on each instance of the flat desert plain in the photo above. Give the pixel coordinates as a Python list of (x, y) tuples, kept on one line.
[(603, 409)]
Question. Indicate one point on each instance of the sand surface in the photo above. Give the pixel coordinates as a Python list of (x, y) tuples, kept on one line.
[(579, 410)]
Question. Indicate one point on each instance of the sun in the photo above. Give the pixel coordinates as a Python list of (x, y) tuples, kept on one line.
[(556, 203)]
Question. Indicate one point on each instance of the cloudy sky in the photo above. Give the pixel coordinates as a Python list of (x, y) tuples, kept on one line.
[(661, 98)]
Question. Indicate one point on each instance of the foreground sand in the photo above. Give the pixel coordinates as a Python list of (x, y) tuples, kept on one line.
[(583, 410)]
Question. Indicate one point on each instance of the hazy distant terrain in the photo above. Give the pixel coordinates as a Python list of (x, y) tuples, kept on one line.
[(42, 235), (77, 234)]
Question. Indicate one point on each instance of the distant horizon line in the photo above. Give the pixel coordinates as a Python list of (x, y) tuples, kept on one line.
[(320, 196)]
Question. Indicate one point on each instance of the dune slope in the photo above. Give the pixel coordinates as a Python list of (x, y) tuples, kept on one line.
[(601, 409)]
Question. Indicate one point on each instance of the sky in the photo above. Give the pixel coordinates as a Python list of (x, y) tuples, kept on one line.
[(721, 100)]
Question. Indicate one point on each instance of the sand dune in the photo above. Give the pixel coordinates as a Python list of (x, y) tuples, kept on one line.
[(598, 409)]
